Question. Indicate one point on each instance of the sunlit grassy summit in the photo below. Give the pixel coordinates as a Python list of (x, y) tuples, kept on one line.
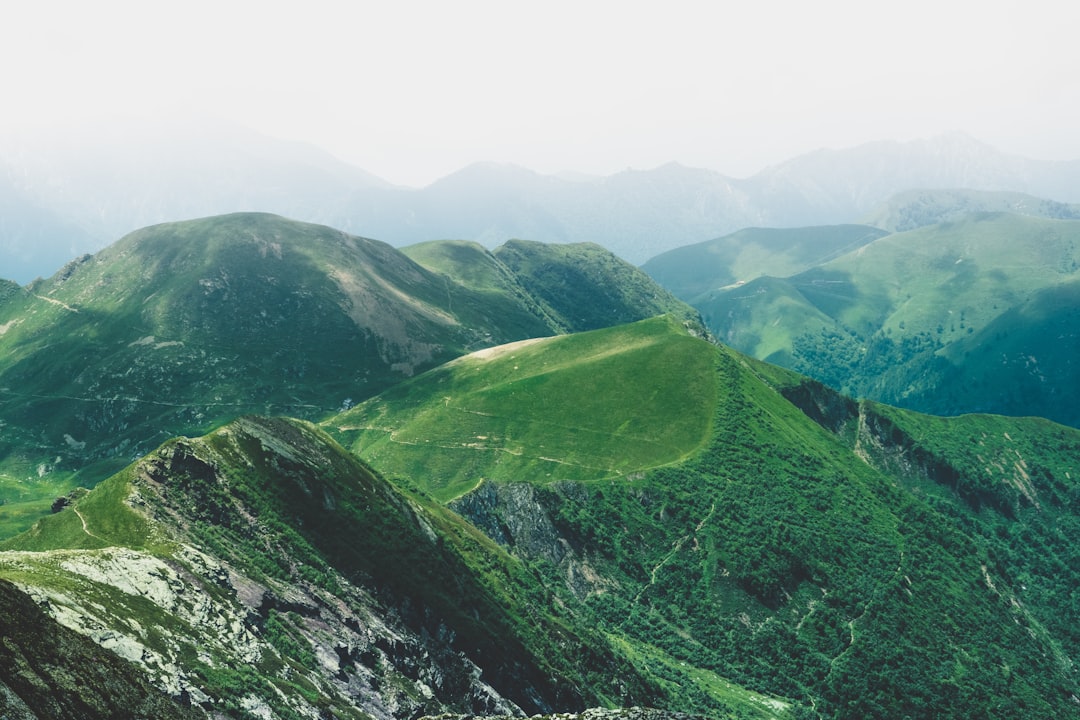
[(606, 403)]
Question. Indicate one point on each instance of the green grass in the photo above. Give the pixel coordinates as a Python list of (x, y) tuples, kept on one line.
[(927, 318), (687, 680), (181, 327), (609, 403), (852, 573)]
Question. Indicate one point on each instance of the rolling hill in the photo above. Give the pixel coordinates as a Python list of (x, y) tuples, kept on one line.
[(693, 271), (907, 318), (179, 327)]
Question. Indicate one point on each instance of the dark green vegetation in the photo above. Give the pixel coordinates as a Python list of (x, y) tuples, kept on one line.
[(626, 516), (977, 315), (178, 328), (574, 287), (857, 560)]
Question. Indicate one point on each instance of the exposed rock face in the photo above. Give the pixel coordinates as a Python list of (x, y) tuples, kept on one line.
[(822, 404), (630, 713), (513, 515), (48, 672), (206, 625)]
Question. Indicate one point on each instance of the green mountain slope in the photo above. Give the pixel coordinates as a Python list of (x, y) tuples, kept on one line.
[(180, 327), (583, 396), (693, 271), (919, 208), (857, 560), (263, 569), (573, 287), (918, 319), (585, 287)]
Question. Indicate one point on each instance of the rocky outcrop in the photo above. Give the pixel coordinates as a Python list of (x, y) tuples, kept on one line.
[(631, 713), (50, 672), (825, 406), (514, 515)]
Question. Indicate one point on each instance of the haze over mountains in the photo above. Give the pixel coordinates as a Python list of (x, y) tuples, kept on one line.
[(64, 198)]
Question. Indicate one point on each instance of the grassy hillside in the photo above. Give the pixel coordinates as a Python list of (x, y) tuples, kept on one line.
[(693, 271), (920, 318), (608, 403), (585, 287), (572, 287), (855, 560), (178, 328)]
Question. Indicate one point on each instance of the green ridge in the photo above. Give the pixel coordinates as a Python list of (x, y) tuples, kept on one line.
[(608, 403), (178, 328), (848, 558), (926, 318)]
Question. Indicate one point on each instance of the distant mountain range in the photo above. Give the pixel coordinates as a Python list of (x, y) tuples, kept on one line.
[(63, 199)]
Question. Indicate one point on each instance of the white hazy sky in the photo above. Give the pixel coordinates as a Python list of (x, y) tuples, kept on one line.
[(412, 91)]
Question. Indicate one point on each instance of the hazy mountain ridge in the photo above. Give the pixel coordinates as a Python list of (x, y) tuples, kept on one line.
[(636, 213), (919, 208), (693, 271)]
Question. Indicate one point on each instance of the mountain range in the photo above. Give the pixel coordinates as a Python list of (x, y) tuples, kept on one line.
[(970, 311), (258, 467), (179, 327), (461, 543), (66, 198)]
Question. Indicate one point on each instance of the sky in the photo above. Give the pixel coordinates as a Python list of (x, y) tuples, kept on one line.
[(412, 91)]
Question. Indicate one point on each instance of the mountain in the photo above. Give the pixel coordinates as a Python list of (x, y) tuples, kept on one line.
[(919, 208), (574, 287), (692, 271), (631, 515), (83, 193), (727, 521), (919, 318), (589, 406), (114, 179), (263, 569), (179, 327)]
